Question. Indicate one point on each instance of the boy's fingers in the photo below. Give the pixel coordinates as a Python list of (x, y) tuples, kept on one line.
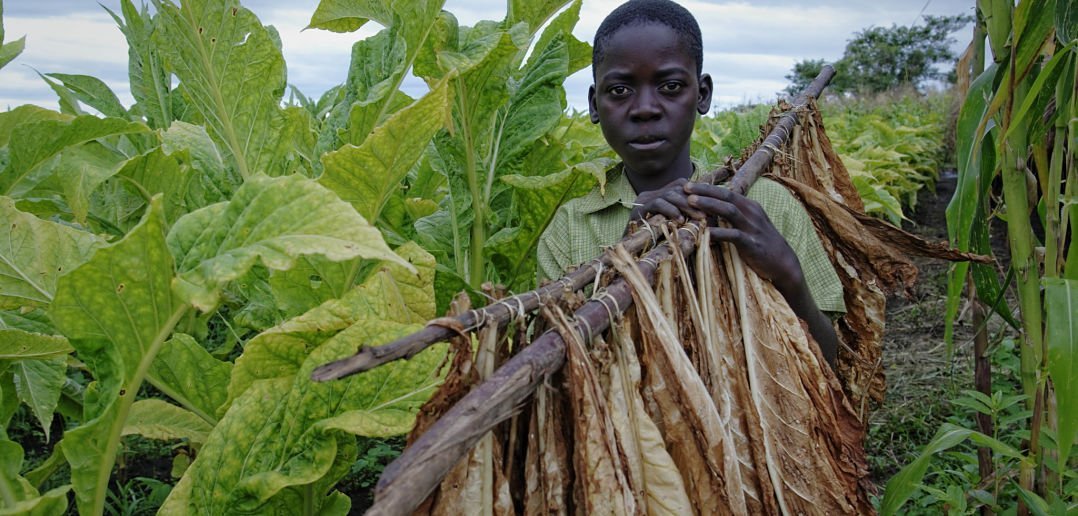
[(678, 199), (717, 207), (725, 234), (666, 209)]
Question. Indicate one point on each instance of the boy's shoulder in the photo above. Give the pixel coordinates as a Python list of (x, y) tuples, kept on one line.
[(615, 190)]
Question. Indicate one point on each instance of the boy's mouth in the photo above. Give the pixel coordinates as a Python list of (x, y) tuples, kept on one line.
[(647, 142)]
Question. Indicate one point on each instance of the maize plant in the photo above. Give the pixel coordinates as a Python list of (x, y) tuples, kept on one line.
[(1018, 127)]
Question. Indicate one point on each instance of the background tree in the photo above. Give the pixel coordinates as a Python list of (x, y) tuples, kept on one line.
[(878, 58)]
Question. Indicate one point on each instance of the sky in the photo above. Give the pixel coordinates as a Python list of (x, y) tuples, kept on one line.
[(748, 46)]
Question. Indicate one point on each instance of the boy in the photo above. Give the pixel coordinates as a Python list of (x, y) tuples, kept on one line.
[(646, 64)]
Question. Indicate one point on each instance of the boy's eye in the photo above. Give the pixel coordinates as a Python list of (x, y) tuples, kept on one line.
[(618, 91), (671, 87)]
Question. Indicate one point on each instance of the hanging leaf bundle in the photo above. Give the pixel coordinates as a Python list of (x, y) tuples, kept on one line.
[(682, 383)]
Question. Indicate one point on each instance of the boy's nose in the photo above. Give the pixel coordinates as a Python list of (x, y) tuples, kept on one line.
[(646, 106)]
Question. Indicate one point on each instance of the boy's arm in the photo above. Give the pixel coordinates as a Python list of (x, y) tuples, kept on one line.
[(765, 250)]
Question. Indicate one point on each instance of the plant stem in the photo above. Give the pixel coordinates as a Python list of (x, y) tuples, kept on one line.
[(127, 398)]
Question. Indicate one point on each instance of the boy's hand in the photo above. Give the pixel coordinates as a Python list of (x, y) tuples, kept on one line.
[(767, 252), (670, 201), (756, 239)]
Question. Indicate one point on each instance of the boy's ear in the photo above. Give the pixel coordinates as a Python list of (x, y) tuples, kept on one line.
[(593, 108), (703, 99)]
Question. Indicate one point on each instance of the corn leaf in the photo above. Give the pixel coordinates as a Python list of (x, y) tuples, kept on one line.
[(34, 253), (1066, 21), (272, 220), (158, 419), (1061, 334), (365, 176), (232, 72), (117, 309)]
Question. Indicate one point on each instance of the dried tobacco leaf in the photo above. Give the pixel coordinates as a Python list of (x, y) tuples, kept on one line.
[(679, 401), (652, 472), (601, 484), (791, 391)]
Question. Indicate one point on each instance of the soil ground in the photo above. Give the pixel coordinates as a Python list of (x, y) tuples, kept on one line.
[(920, 375)]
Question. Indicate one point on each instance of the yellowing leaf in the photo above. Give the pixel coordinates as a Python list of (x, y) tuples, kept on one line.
[(366, 175), (34, 253), (17, 344), (231, 70), (187, 373), (158, 419), (33, 145), (272, 220)]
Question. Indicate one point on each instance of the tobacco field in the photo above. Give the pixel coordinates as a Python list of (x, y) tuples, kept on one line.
[(173, 271)]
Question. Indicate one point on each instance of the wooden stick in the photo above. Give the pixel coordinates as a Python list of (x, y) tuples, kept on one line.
[(407, 481)]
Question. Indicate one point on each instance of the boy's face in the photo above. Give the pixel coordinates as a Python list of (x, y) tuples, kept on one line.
[(645, 98)]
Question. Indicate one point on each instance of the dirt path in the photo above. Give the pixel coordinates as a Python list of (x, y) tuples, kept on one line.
[(920, 378)]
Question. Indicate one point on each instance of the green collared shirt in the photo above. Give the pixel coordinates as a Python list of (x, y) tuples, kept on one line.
[(584, 226)]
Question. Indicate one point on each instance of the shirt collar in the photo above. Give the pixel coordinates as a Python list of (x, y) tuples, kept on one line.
[(618, 190)]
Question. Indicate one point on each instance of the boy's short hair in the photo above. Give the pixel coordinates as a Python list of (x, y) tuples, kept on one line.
[(643, 12)]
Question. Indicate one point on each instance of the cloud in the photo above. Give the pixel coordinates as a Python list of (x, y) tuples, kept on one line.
[(749, 46)]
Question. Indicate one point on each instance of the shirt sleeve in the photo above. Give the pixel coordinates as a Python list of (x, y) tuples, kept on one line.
[(552, 254), (795, 225)]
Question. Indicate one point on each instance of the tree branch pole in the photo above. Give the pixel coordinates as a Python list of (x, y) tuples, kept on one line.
[(503, 311), (407, 481)]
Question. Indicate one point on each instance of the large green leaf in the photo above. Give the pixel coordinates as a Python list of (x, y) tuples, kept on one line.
[(232, 71), (17, 495), (187, 373), (149, 79), (117, 309), (392, 293), (93, 92), (158, 419), (378, 67), (1061, 335), (34, 253), (80, 170), (349, 15), (365, 176), (562, 26), (33, 145), (23, 115), (282, 430), (21, 345), (533, 12), (38, 384), (311, 282), (272, 220)]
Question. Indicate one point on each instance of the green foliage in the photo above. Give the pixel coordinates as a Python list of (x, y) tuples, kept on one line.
[(879, 59), (892, 146), (1011, 132), (10, 50)]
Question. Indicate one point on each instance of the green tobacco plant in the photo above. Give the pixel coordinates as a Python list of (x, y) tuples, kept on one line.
[(1019, 123), (182, 243)]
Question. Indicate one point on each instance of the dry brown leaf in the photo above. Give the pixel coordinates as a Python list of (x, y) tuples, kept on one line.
[(601, 485), (679, 399)]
